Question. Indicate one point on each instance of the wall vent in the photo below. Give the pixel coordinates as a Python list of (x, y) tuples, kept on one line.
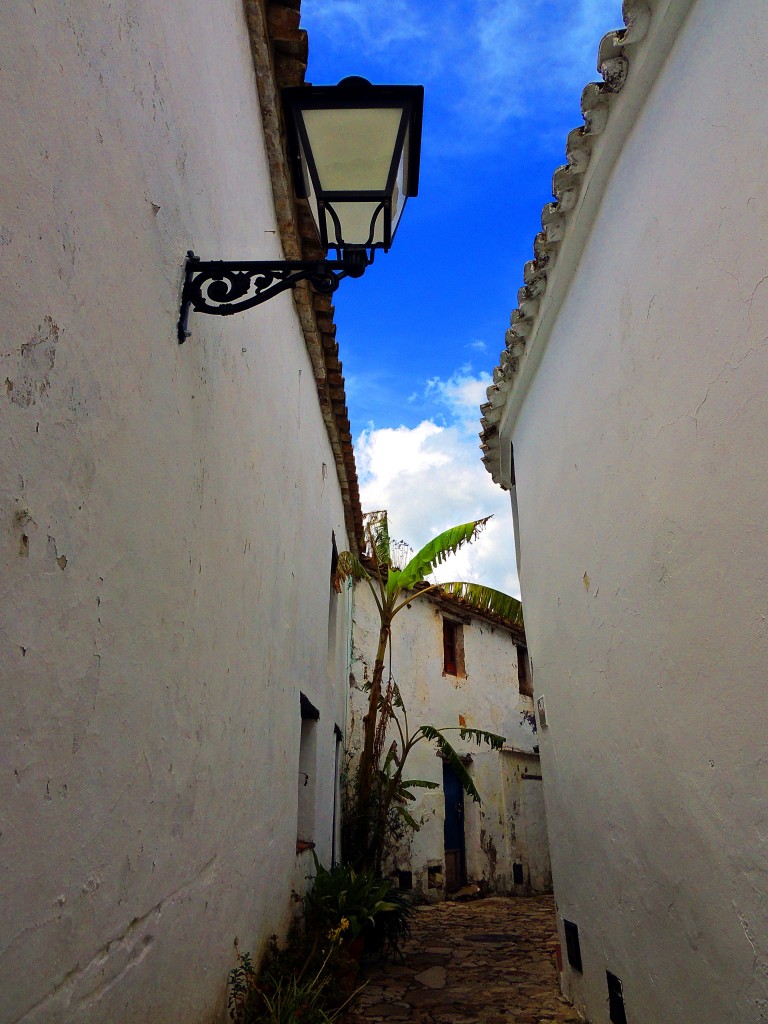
[(572, 945), (615, 1000)]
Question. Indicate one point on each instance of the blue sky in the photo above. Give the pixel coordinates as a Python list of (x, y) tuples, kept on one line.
[(421, 332)]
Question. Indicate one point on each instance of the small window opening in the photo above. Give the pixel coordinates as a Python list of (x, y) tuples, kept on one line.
[(334, 556), (333, 613), (405, 880), (336, 825), (307, 775), (525, 683), (572, 945), (435, 876), (518, 875), (453, 648), (616, 1011)]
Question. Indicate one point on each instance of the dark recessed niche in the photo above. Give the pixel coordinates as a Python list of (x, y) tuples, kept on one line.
[(572, 945), (616, 1011), (517, 874), (405, 880)]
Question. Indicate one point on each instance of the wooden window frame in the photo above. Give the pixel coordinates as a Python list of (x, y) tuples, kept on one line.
[(453, 648)]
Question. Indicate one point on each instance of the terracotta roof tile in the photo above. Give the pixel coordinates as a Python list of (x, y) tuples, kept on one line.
[(614, 62), (280, 49)]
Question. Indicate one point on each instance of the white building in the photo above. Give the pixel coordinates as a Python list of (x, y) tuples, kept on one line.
[(455, 667), (628, 420), (173, 661)]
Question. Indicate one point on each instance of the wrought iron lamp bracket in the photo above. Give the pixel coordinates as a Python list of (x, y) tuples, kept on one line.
[(222, 288)]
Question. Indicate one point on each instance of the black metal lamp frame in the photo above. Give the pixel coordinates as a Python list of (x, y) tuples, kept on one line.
[(221, 288)]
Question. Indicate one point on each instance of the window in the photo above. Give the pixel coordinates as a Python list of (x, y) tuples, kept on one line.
[(334, 556), (572, 945), (453, 648), (305, 823), (525, 683), (616, 1012), (336, 825), (333, 609)]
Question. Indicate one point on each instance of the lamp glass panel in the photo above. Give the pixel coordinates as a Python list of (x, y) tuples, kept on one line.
[(356, 224), (399, 191), (353, 149)]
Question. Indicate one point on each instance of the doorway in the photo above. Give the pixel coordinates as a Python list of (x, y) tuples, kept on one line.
[(455, 853)]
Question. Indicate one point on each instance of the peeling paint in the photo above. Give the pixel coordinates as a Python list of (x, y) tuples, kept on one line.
[(53, 557), (33, 366)]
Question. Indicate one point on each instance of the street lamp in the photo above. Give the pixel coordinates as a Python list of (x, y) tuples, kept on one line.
[(354, 149)]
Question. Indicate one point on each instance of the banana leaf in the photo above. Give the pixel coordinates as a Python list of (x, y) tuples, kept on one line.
[(432, 554)]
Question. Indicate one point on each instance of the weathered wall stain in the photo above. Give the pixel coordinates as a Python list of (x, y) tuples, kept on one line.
[(489, 849), (83, 398), (53, 556), (23, 520), (34, 363), (85, 984)]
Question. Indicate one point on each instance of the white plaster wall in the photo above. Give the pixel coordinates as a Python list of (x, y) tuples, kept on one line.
[(487, 698), (171, 599), (642, 485)]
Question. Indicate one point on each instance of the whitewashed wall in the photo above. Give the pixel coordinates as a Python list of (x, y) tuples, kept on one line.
[(642, 487), (166, 523), (497, 833)]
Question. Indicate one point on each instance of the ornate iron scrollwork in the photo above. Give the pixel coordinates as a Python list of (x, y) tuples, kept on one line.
[(221, 288)]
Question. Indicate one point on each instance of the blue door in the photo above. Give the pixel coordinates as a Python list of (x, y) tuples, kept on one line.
[(455, 859)]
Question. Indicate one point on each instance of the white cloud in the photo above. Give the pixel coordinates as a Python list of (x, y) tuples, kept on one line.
[(430, 477), (462, 394)]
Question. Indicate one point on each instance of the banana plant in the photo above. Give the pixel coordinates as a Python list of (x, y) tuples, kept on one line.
[(393, 589)]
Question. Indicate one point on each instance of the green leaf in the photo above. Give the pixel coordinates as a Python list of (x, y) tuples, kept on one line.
[(494, 741), (407, 817), (453, 760), (486, 599), (405, 787), (377, 534), (432, 554), (391, 756)]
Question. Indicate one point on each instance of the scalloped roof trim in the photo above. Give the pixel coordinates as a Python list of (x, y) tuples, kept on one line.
[(614, 60)]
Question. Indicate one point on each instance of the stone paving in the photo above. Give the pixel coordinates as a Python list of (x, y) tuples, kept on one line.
[(489, 961)]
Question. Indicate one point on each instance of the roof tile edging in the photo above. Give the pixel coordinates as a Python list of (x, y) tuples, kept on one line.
[(280, 49), (616, 55)]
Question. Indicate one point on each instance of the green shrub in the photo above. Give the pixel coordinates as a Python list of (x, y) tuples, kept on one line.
[(285, 991), (312, 977), (359, 904)]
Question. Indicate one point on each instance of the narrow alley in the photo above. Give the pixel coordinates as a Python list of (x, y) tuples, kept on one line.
[(491, 961)]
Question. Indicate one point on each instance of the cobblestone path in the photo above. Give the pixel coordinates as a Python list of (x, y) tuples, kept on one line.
[(491, 961)]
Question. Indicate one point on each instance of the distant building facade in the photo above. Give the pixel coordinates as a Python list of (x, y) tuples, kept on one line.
[(454, 666), (628, 421), (174, 661)]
